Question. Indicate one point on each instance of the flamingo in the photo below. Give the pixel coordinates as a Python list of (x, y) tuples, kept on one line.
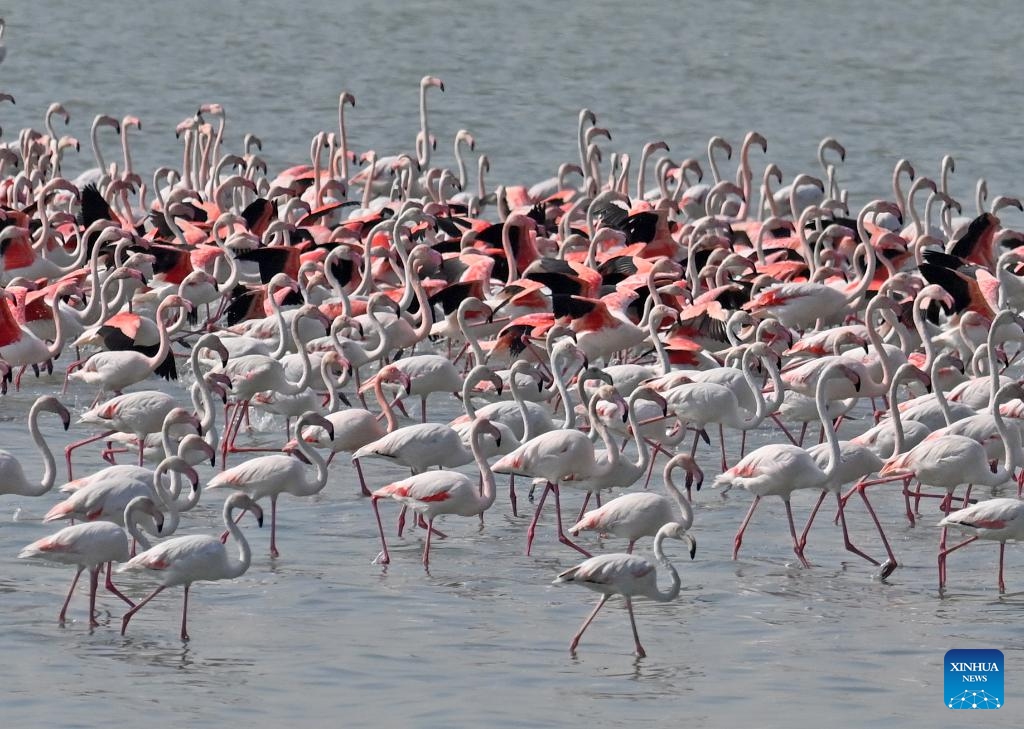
[(91, 544), (434, 493), (641, 513), (138, 413), (994, 520), (276, 474), (188, 559), (630, 576), (780, 469), (553, 456), (12, 476), (114, 371)]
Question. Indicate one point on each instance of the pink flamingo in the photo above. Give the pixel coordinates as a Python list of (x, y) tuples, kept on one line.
[(642, 513), (188, 559), (630, 576), (995, 520), (276, 474), (434, 493), (90, 545)]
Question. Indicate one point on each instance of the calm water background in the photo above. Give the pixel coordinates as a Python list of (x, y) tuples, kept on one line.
[(324, 636)]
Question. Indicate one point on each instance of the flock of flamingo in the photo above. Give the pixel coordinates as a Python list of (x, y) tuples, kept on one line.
[(588, 327)]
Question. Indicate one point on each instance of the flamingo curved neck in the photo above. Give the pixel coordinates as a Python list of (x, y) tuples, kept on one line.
[(282, 327), (470, 336), (486, 474), (294, 388), (385, 406), (236, 568), (673, 591), (49, 465), (826, 422), (308, 488), (685, 507)]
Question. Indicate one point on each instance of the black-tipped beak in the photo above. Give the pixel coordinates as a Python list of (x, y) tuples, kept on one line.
[(693, 547), (259, 520), (344, 398)]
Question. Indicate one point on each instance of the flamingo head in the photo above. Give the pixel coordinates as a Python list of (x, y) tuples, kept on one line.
[(934, 292), (239, 500), (193, 442), (646, 392), (181, 416), (53, 405), (390, 373), (428, 81), (180, 465), (483, 426), (694, 474), (175, 301), (312, 418), (675, 530), (608, 393)]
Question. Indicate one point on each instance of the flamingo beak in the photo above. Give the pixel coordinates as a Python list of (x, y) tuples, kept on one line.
[(258, 513), (693, 545), (193, 478)]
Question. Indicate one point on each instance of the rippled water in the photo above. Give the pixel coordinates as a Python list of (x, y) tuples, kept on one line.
[(323, 635)]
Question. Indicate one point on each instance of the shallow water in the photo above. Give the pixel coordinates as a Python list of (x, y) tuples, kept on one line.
[(321, 633)]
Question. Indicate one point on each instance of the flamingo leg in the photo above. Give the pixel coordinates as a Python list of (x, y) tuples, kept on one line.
[(810, 519), (383, 557), (423, 408), (583, 509), (69, 449), (426, 546), (401, 521), (891, 563), (512, 494), (424, 524), (94, 579), (640, 652), (738, 539), (131, 613), (1002, 551), (586, 624), (184, 614), (721, 443), (531, 530), (362, 481), (629, 549), (561, 533), (273, 527), (109, 585), (778, 422), (67, 601), (846, 536), (943, 553), (798, 548), (803, 433)]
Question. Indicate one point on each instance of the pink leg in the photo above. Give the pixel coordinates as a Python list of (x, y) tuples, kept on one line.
[(131, 613), (94, 578), (109, 585), (426, 546), (512, 494), (721, 443), (424, 524), (383, 557), (797, 547), (68, 450), (629, 549), (273, 527), (810, 520), (640, 652), (1002, 551), (142, 446), (362, 481), (803, 434), (586, 624), (738, 539), (401, 521), (846, 535), (891, 563), (184, 614), (583, 509), (67, 601), (531, 530), (943, 552), (423, 408), (561, 533)]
